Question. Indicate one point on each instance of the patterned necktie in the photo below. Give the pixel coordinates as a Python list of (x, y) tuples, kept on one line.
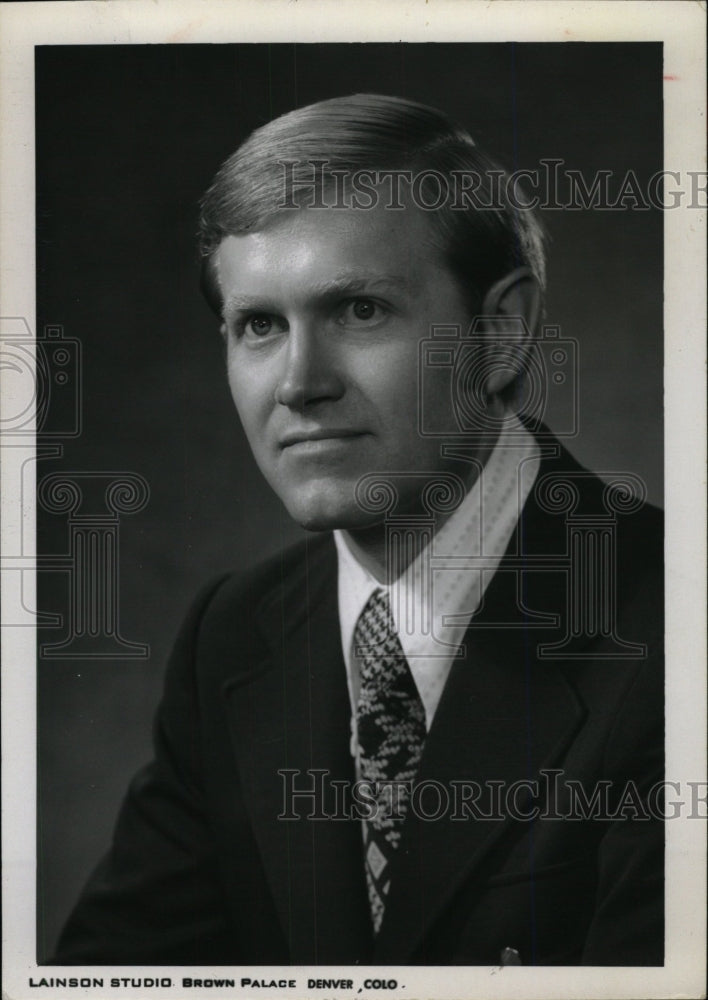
[(391, 732)]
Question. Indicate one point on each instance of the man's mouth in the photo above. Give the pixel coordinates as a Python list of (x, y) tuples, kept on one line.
[(320, 437)]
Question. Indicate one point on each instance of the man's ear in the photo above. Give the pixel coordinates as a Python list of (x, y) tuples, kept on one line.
[(516, 296)]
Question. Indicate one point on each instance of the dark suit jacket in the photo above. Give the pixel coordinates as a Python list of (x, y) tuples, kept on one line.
[(202, 871)]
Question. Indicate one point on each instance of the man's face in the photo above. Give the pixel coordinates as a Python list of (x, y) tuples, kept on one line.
[(324, 312)]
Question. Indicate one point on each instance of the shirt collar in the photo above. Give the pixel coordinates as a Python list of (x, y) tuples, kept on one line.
[(481, 526)]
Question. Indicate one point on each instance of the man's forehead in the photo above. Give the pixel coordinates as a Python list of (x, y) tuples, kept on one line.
[(408, 224), (350, 251)]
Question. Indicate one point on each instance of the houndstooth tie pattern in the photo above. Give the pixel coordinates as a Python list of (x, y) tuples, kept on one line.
[(391, 732)]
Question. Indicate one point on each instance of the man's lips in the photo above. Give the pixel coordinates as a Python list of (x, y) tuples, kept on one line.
[(333, 434)]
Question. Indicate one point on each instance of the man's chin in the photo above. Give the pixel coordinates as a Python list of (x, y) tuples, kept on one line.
[(320, 513)]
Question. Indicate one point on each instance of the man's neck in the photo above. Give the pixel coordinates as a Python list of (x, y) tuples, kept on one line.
[(369, 545)]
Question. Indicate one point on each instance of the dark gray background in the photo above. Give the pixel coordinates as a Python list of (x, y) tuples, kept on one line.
[(127, 139)]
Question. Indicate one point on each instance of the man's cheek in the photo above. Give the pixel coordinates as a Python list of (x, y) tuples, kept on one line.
[(247, 407)]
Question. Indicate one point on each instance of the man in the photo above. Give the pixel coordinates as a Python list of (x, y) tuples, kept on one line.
[(435, 737)]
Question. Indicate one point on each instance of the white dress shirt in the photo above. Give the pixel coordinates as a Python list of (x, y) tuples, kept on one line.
[(481, 526)]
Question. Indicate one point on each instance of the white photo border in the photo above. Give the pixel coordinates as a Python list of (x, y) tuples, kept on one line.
[(681, 27)]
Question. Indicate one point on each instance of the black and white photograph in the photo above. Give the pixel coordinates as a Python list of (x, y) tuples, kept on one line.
[(353, 571)]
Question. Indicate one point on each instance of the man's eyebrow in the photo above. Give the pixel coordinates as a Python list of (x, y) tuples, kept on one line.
[(346, 284)]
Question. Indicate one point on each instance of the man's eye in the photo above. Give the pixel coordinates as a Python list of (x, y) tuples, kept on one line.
[(362, 311), (259, 325)]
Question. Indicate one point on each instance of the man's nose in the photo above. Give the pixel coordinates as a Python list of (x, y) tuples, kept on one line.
[(309, 372)]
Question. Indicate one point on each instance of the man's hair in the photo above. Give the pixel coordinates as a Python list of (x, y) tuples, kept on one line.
[(304, 150)]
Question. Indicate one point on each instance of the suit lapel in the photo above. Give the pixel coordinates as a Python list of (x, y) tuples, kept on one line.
[(504, 715), (292, 713), (501, 719)]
